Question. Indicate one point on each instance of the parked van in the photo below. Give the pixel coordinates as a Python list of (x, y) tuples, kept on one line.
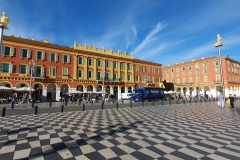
[(126, 95)]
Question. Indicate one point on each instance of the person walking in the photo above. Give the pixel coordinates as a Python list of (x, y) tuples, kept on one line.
[(221, 100), (231, 100)]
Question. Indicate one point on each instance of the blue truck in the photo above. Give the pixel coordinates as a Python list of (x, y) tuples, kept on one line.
[(147, 93)]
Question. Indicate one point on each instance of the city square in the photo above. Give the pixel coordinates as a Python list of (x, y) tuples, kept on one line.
[(178, 131)]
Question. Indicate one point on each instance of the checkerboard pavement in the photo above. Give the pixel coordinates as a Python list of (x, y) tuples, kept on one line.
[(191, 131)]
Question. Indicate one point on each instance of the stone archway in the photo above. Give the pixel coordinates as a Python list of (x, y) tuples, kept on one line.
[(64, 89), (191, 90), (38, 91), (51, 91), (123, 89), (184, 91), (23, 84), (6, 84), (107, 89), (99, 88), (129, 89), (198, 90), (90, 88), (79, 88)]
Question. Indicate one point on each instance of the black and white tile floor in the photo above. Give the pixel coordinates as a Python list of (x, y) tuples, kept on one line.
[(191, 131)]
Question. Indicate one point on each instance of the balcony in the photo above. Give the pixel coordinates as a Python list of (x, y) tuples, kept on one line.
[(184, 84), (217, 82)]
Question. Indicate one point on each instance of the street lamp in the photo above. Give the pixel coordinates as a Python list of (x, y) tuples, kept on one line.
[(3, 25), (198, 72), (218, 45), (31, 67)]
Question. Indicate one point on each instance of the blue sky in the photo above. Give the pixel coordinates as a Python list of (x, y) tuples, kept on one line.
[(162, 31)]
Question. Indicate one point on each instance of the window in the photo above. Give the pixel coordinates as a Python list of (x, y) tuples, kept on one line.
[(197, 79), (107, 75), (183, 74), (148, 70), (80, 73), (99, 77), (190, 73), (80, 60), (190, 80), (122, 76), (183, 68), (65, 71), (129, 67), (189, 67), (216, 69), (137, 68), (38, 71), (122, 66), (52, 71), (53, 57), (184, 80), (23, 69), (25, 53), (205, 71), (7, 51), (158, 71), (204, 64), (216, 63), (39, 55), (90, 74), (205, 79), (99, 63), (137, 78), (115, 65), (107, 64), (129, 77), (153, 70), (6, 67), (115, 76), (143, 69), (217, 77), (66, 58)]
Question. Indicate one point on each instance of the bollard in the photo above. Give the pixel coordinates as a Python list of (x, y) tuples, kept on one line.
[(117, 105), (50, 103), (3, 111), (62, 108), (131, 102), (153, 102), (32, 103), (102, 104), (12, 105), (122, 100), (36, 109), (83, 107)]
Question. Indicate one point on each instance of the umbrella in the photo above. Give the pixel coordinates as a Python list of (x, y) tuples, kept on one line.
[(23, 89), (5, 88)]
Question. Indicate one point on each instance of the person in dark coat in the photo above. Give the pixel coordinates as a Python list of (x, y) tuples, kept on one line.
[(231, 100)]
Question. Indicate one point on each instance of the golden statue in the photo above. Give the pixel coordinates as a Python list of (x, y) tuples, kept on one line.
[(4, 20), (219, 41)]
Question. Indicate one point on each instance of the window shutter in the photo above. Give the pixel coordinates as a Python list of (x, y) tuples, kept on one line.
[(91, 74), (82, 60), (2, 50), (62, 58), (43, 55), (21, 52), (12, 51), (34, 70), (56, 57), (19, 68), (27, 69), (51, 71), (1, 67), (10, 68), (42, 71), (36, 55), (68, 59), (49, 56), (28, 53)]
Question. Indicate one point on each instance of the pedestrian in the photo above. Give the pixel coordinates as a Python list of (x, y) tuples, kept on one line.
[(221, 100), (231, 98)]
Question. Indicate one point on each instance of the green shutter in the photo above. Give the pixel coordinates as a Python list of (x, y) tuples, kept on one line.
[(42, 71), (28, 53), (2, 50), (56, 57), (36, 55), (82, 60), (10, 68), (91, 74), (21, 52), (62, 58), (43, 55), (19, 68), (49, 56), (1, 67), (12, 51), (27, 69), (68, 59)]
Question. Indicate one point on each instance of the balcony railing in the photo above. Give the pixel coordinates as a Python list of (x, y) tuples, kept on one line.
[(184, 84), (217, 82)]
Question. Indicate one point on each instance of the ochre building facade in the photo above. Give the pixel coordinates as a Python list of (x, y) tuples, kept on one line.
[(52, 70)]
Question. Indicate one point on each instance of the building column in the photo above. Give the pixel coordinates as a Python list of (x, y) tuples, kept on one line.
[(58, 94), (44, 95), (119, 92)]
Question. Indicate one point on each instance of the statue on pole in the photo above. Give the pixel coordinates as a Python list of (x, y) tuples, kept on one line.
[(219, 41)]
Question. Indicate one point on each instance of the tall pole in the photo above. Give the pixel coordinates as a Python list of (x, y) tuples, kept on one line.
[(31, 65), (221, 70)]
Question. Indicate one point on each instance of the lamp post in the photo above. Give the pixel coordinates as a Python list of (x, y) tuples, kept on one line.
[(198, 72), (3, 25), (218, 45), (31, 67)]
